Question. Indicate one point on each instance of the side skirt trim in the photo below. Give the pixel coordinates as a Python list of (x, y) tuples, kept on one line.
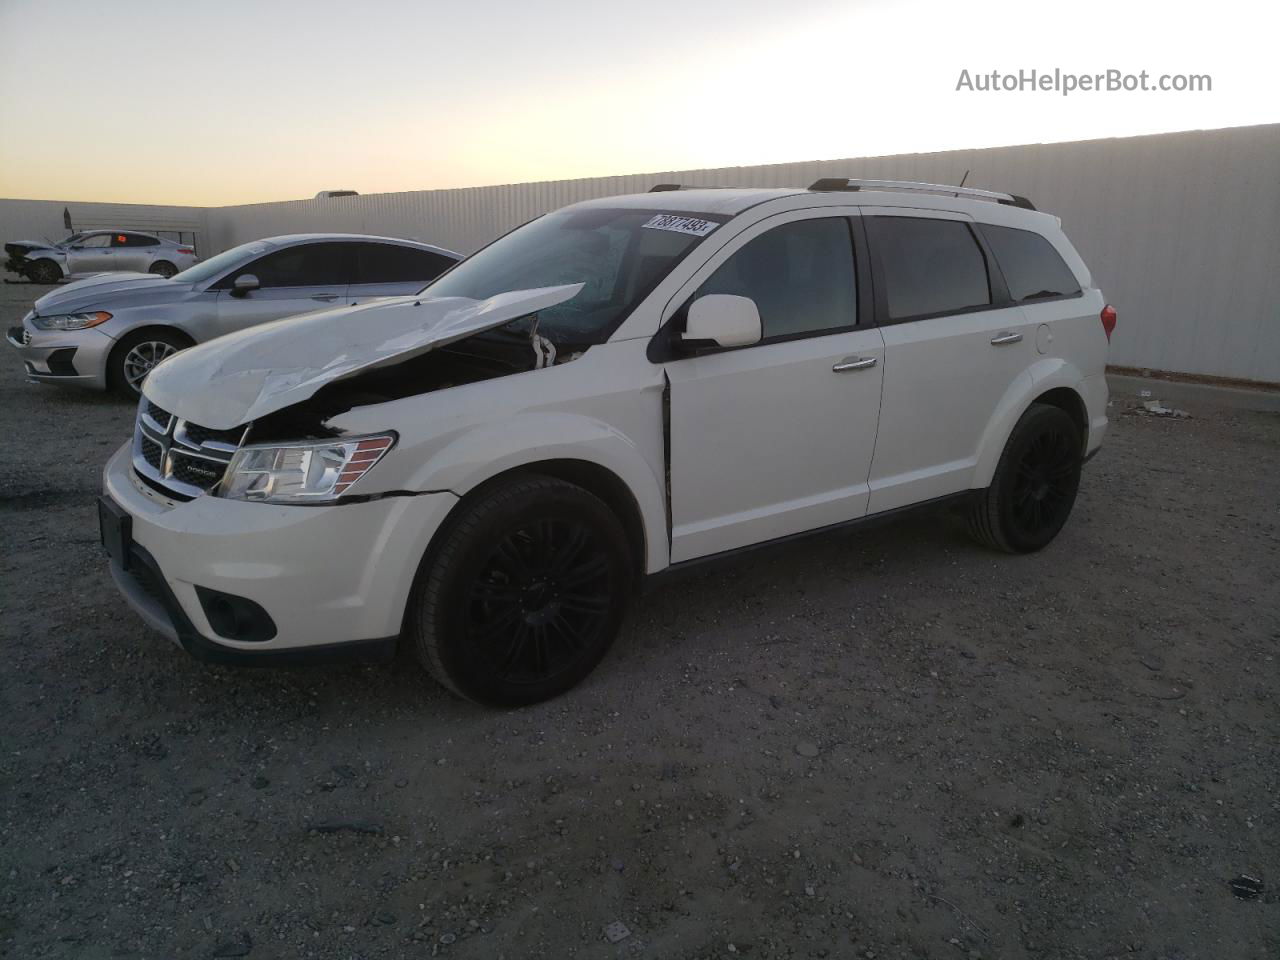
[(701, 564)]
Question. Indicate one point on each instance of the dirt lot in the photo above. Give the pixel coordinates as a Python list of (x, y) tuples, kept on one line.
[(891, 744)]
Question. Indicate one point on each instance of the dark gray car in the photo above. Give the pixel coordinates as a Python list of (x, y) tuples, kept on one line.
[(110, 330)]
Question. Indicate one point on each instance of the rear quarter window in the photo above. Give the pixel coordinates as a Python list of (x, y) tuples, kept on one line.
[(1032, 267)]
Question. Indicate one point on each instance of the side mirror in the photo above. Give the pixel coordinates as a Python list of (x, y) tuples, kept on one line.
[(724, 319), (244, 285)]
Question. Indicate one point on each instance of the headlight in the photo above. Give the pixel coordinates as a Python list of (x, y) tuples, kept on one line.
[(302, 472), (71, 321)]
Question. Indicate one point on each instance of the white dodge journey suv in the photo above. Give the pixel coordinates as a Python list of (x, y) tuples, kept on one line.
[(486, 470)]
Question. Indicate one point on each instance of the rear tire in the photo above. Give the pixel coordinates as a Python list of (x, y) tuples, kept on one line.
[(1034, 486), (134, 356), (163, 268), (44, 271), (524, 593)]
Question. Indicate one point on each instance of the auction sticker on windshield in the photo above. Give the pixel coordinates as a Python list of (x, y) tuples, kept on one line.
[(690, 225)]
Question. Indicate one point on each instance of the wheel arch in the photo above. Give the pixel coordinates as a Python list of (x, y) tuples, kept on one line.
[(1052, 382), (60, 264), (595, 478), (1070, 402), (125, 339)]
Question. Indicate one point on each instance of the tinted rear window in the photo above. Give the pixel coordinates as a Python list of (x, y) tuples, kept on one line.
[(1033, 269), (388, 263), (930, 266)]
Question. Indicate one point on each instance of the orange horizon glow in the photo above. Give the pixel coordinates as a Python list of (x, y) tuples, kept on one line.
[(248, 102)]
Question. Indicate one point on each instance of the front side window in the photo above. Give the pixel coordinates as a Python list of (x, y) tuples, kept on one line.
[(800, 276), (389, 263), (303, 265), (618, 255), (931, 267), (1031, 267), (97, 242)]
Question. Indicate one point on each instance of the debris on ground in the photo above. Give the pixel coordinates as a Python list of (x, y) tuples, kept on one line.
[(1246, 887), (1158, 409), (616, 932)]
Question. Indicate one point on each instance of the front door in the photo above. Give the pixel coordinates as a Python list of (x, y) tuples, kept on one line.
[(295, 279), (776, 438), (93, 254)]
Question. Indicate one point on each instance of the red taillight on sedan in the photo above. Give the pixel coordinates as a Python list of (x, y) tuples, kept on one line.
[(186, 250), (1108, 317)]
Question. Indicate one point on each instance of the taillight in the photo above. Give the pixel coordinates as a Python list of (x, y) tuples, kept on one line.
[(186, 250), (1108, 318)]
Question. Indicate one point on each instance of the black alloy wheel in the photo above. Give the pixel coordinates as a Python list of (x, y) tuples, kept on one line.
[(1035, 483), (1045, 481), (524, 593)]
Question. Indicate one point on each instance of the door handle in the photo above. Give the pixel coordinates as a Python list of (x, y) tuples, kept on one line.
[(854, 363), (325, 296), (1000, 339)]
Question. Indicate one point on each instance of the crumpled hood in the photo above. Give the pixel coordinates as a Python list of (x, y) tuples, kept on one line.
[(34, 245), (103, 291), (257, 371)]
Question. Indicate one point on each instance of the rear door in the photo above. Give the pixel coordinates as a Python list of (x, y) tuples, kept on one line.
[(133, 251), (390, 270), (954, 347), (776, 438), (292, 280)]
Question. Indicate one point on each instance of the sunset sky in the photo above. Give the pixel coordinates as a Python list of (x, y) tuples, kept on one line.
[(245, 100)]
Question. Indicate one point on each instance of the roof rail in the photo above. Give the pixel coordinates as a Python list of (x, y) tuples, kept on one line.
[(664, 187), (911, 186)]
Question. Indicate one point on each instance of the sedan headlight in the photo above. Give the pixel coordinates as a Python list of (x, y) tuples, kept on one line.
[(302, 472), (71, 321)]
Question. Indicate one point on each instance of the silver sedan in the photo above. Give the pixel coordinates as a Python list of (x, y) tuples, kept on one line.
[(98, 251), (109, 331)]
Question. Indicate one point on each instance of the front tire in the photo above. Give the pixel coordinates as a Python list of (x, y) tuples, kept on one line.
[(135, 355), (163, 268), (1034, 486), (44, 272), (524, 594)]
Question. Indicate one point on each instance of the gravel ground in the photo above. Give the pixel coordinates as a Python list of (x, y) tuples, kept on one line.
[(889, 744)]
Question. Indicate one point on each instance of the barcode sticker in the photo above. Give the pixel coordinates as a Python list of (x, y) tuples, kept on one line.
[(690, 225)]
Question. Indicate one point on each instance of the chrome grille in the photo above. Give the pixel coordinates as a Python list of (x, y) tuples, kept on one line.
[(151, 452), (180, 458)]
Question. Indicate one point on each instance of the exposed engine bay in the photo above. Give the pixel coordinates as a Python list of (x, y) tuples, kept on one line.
[(514, 348)]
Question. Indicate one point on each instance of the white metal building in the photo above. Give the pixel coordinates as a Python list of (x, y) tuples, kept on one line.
[(1181, 230)]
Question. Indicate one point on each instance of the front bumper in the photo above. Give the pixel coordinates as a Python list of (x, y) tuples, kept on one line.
[(77, 357), (335, 580)]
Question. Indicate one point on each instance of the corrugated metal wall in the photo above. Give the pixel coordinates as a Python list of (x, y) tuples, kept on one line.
[(1181, 230), (42, 219)]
